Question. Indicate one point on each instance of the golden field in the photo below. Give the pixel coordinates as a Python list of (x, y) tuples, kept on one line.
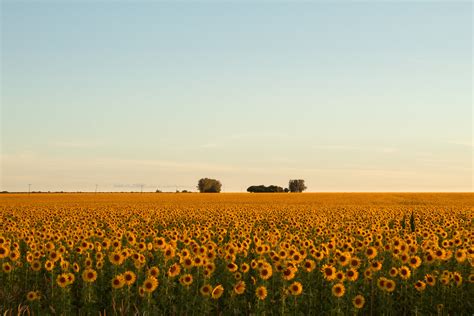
[(234, 254)]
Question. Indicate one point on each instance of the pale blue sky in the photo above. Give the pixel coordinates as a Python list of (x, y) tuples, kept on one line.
[(349, 96)]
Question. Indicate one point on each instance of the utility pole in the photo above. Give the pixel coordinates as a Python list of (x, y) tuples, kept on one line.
[(96, 186), (29, 188), (141, 188)]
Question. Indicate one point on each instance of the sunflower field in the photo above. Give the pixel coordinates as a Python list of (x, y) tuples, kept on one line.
[(237, 254)]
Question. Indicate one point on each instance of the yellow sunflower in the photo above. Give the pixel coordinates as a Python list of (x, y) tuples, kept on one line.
[(358, 301), (205, 290), (430, 280), (118, 282), (129, 277), (420, 286), (7, 267), (217, 292), (352, 275), (296, 288), (62, 280), (404, 272), (329, 272), (239, 288), (338, 290), (32, 296), (150, 284), (174, 270), (89, 275), (389, 285), (186, 279), (261, 292)]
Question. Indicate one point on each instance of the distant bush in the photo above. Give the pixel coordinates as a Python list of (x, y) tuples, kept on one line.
[(264, 189)]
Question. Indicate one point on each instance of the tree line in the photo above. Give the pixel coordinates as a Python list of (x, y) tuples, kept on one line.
[(207, 185)]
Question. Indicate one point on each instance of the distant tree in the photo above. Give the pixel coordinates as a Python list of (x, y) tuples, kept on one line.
[(264, 189), (158, 191), (206, 185), (296, 185), (286, 190)]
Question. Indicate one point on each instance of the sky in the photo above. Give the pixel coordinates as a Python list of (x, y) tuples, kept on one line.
[(349, 96)]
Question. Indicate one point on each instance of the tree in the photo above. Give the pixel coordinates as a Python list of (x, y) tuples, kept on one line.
[(297, 185), (206, 185)]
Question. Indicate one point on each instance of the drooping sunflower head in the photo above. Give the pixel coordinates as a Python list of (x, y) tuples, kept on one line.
[(420, 286), (239, 288), (430, 280), (217, 292)]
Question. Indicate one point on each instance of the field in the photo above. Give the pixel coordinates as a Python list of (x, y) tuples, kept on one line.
[(237, 254)]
